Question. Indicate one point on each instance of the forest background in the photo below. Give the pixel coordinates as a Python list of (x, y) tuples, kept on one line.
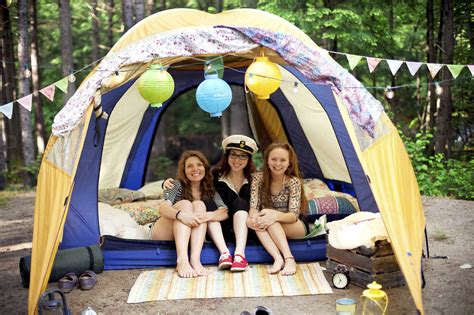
[(43, 41)]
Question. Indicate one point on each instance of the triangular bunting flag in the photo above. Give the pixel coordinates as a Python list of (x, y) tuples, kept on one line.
[(7, 110), (372, 63), (413, 66), (353, 60), (394, 65), (213, 65), (434, 68), (471, 68), (455, 70), (26, 101), (62, 84), (48, 92)]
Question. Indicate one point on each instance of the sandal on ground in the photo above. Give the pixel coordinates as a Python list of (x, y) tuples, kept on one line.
[(240, 263), (88, 280), (68, 282), (225, 261)]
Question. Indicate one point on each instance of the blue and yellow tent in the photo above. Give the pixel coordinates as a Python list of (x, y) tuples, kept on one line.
[(340, 135)]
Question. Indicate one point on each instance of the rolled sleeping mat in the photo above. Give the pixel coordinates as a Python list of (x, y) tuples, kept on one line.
[(75, 260)]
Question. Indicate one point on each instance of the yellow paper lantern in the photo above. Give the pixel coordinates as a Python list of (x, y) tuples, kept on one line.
[(156, 85), (263, 77)]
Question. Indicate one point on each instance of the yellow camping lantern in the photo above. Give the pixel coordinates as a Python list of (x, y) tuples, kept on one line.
[(263, 77), (374, 301), (156, 85)]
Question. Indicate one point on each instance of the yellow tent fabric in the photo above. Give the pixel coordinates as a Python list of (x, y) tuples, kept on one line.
[(395, 189), (385, 162)]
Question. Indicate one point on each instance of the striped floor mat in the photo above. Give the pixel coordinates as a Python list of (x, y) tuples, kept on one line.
[(164, 284)]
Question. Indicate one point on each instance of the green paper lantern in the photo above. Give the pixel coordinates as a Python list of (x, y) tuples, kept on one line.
[(156, 85)]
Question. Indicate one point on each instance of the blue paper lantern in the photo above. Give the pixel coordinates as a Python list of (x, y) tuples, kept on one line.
[(213, 95)]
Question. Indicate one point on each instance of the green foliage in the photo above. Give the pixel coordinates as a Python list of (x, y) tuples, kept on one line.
[(440, 235), (437, 176), (162, 167)]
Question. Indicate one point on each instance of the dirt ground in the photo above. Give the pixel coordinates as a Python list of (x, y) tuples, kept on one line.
[(449, 289)]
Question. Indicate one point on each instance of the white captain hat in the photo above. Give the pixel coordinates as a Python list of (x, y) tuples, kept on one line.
[(241, 143)]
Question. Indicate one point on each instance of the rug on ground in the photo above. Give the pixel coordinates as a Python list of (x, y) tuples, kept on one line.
[(165, 284)]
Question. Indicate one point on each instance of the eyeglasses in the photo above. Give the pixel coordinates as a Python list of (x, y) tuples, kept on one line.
[(240, 156)]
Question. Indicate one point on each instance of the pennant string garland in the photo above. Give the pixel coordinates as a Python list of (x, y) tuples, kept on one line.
[(217, 65)]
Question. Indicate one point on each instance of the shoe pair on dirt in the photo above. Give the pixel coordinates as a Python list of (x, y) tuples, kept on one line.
[(86, 281), (239, 263)]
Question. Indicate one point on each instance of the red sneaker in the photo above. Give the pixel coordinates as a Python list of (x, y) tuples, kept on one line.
[(239, 264), (225, 261)]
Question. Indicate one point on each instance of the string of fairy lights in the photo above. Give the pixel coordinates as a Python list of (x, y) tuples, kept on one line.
[(208, 63)]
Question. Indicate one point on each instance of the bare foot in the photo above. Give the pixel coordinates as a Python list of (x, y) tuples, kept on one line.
[(276, 267), (290, 267), (185, 270), (199, 268)]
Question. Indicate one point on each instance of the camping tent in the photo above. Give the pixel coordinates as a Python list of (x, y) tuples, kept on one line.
[(339, 131)]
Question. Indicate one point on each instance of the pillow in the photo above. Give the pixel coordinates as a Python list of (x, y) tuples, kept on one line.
[(118, 223), (142, 212), (330, 205), (153, 190), (114, 196)]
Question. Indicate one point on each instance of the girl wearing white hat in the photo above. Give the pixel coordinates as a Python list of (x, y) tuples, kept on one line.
[(232, 182)]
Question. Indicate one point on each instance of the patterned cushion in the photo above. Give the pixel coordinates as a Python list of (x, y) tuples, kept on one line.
[(330, 205), (142, 212), (114, 196)]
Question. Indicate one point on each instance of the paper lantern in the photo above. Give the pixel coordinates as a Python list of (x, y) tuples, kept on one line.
[(263, 77), (213, 95), (156, 85)]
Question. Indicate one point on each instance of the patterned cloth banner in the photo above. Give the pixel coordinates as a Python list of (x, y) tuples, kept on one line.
[(471, 68), (413, 66), (26, 101), (165, 284), (62, 84), (394, 65), (48, 91), (353, 60), (455, 70), (7, 110), (434, 68), (372, 63)]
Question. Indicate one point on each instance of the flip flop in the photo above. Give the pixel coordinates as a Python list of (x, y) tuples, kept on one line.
[(88, 280), (68, 282)]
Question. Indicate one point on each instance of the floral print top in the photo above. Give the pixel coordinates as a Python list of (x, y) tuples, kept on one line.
[(287, 200)]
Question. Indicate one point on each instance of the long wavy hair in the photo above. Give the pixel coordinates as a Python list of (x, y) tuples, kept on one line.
[(206, 187), (293, 170), (223, 168)]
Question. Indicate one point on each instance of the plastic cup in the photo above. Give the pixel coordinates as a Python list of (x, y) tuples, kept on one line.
[(345, 306)]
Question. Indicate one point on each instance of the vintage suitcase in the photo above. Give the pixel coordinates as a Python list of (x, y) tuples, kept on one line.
[(365, 265)]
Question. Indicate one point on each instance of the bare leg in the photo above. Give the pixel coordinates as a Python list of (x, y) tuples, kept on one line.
[(241, 232), (182, 234), (280, 234), (273, 250), (198, 235), (215, 231)]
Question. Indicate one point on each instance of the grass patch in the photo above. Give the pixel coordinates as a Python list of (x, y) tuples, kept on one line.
[(3, 201), (440, 235)]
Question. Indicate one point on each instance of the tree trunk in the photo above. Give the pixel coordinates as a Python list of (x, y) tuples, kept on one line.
[(24, 89), (239, 122), (127, 15), (443, 120), (219, 5), (3, 100), (431, 98), (110, 23), (95, 32), (36, 79), (12, 127), (251, 4), (150, 7), (139, 10), (162, 5), (66, 44)]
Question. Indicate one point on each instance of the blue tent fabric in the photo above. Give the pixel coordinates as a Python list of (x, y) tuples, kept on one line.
[(82, 222), (324, 95)]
